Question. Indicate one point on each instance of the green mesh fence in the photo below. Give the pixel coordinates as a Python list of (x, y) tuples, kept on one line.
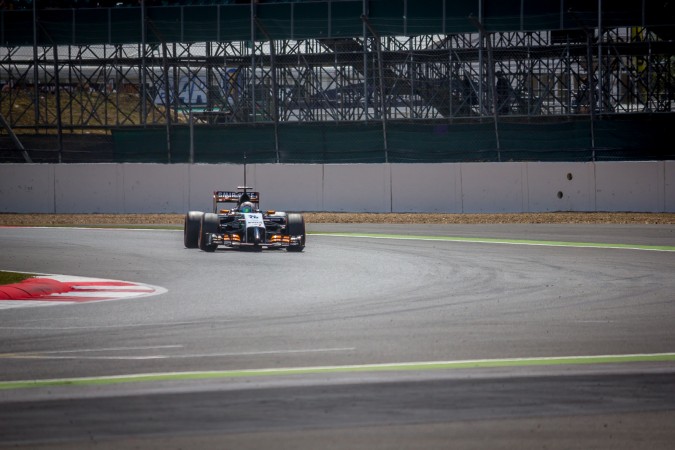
[(343, 143), (231, 144), (630, 138), (441, 142), (342, 22), (559, 141), (211, 145), (147, 146), (208, 20)]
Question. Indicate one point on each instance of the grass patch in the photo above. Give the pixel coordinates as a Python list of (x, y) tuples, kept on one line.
[(13, 277)]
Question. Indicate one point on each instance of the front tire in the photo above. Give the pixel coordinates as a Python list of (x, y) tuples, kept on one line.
[(209, 224), (191, 229), (295, 226)]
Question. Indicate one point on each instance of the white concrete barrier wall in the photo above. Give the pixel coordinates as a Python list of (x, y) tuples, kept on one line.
[(27, 188), (96, 188), (669, 188), (453, 187), (285, 187), (499, 188), (426, 188), (560, 187), (357, 188), (633, 186)]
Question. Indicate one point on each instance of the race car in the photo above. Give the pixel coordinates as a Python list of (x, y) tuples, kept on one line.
[(244, 225)]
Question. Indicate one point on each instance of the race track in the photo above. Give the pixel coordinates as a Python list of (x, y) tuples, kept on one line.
[(358, 342)]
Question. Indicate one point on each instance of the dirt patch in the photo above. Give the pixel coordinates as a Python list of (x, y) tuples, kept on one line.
[(11, 219)]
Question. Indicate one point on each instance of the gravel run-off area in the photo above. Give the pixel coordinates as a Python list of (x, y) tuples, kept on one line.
[(11, 219)]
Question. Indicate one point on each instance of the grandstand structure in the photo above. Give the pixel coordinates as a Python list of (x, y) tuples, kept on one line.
[(336, 80)]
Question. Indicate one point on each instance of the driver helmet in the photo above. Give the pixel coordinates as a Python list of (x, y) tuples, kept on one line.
[(246, 207)]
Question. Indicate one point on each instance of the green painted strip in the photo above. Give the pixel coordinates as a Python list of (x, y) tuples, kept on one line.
[(662, 248), (419, 366)]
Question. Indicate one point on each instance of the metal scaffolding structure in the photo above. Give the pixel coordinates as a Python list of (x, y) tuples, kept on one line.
[(355, 79), (527, 75)]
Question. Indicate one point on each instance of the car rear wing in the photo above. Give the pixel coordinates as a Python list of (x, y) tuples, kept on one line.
[(234, 197)]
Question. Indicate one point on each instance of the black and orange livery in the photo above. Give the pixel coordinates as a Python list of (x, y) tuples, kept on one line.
[(244, 225)]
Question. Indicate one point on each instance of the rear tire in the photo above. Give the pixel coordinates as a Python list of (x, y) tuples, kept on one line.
[(191, 229), (295, 226), (209, 224)]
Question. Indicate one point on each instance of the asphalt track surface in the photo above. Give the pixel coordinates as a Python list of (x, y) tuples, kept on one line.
[(510, 339)]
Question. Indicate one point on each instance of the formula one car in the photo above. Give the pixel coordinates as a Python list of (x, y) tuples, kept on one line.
[(243, 226)]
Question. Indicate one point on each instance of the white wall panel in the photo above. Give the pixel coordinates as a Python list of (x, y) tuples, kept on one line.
[(206, 178), (89, 188), (289, 187), (560, 186), (356, 188), (27, 188), (493, 187), (426, 188), (669, 186), (628, 186), (160, 188)]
